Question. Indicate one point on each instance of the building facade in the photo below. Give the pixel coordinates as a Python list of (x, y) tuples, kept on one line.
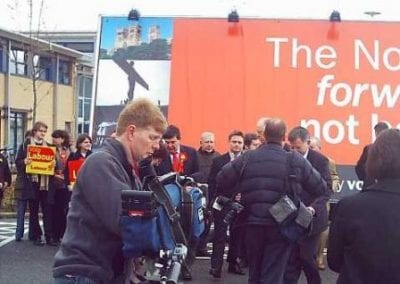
[(30, 66), (84, 42)]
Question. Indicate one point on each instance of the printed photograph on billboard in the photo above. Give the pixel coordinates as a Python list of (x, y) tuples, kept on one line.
[(134, 61)]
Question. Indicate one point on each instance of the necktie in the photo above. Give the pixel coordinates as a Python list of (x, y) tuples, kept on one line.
[(175, 162)]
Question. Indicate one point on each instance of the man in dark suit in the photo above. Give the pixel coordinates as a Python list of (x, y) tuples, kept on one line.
[(305, 252), (206, 153), (182, 159), (5, 176), (360, 167), (236, 142)]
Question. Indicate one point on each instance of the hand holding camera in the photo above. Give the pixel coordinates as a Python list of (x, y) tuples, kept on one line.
[(233, 208)]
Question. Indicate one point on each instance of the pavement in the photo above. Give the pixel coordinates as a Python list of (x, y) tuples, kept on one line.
[(22, 262), (9, 215)]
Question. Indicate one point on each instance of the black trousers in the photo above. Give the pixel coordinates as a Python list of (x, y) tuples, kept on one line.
[(202, 245), (268, 253), (59, 211), (219, 241), (303, 257), (35, 232)]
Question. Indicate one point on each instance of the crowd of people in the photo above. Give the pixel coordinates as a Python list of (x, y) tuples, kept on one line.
[(49, 192), (361, 236)]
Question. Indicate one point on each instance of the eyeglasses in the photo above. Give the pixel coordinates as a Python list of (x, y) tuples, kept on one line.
[(42, 130)]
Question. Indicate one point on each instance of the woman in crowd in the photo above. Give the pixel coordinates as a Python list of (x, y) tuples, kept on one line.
[(364, 236), (83, 150), (58, 192)]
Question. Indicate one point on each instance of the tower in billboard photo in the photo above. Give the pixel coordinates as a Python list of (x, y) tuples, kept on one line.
[(154, 33), (128, 36)]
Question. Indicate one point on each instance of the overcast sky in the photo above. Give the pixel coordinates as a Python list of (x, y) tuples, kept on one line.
[(58, 15)]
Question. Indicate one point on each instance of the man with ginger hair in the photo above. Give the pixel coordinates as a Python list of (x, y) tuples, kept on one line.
[(91, 250)]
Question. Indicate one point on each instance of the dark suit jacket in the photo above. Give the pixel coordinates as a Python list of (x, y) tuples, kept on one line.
[(216, 166), (5, 173), (321, 164), (190, 166), (364, 235), (360, 167)]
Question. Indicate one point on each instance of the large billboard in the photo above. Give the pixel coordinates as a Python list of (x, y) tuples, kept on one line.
[(336, 79)]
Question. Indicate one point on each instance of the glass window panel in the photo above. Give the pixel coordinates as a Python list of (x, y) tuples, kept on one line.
[(80, 85), (64, 72), (80, 107), (88, 87), (86, 106)]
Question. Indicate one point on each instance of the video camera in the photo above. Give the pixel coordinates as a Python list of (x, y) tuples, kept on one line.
[(232, 208), (173, 263), (160, 221), (142, 219)]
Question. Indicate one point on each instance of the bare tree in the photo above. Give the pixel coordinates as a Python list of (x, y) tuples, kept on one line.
[(34, 64), (35, 61)]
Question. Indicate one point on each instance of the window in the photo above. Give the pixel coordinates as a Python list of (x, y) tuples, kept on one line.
[(17, 129), (19, 62), (2, 56), (43, 67), (85, 47), (64, 72), (85, 102), (68, 126)]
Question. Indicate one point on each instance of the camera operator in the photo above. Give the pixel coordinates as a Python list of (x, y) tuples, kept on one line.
[(91, 250), (259, 176), (220, 227)]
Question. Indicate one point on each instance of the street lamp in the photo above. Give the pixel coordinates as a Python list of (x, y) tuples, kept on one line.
[(335, 16), (233, 17), (133, 15)]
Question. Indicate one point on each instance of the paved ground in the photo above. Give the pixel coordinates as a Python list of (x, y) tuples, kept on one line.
[(23, 262), (7, 231)]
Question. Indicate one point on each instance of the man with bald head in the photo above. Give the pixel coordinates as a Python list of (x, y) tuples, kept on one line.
[(259, 176), (206, 153)]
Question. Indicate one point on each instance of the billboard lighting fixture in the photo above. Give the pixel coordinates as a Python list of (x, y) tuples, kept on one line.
[(133, 15), (233, 17), (335, 16)]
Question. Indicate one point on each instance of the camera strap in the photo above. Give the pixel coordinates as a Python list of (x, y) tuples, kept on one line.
[(187, 211), (163, 198), (304, 217), (291, 179)]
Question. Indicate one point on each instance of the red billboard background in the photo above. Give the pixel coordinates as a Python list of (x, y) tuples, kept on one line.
[(338, 79)]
